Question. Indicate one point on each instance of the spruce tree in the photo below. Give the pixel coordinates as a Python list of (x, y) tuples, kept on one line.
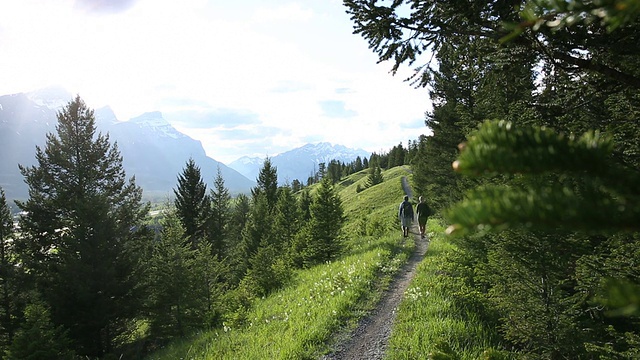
[(324, 228), (240, 214), (82, 235), (375, 175), (10, 283), (192, 202), (220, 214), (178, 300), (267, 184), (38, 338)]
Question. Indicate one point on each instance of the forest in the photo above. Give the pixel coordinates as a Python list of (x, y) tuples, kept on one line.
[(532, 164), (536, 110)]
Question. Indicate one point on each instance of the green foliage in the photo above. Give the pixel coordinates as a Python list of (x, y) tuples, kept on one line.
[(192, 203), (10, 280), (82, 235), (267, 184), (219, 219), (441, 316), (557, 15), (562, 181), (39, 339), (324, 227), (375, 176), (178, 289)]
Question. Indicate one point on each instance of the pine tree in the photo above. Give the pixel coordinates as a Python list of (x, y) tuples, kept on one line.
[(238, 221), (267, 184), (192, 203), (220, 214), (323, 230), (82, 234), (10, 284), (375, 175), (178, 301), (304, 205), (39, 339)]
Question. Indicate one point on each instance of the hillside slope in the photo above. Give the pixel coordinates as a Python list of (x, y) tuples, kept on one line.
[(300, 320)]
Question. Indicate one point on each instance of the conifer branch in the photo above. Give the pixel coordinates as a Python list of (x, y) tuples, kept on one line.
[(557, 181)]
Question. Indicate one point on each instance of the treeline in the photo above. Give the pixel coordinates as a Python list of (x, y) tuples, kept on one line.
[(336, 170), (85, 274), (549, 193)]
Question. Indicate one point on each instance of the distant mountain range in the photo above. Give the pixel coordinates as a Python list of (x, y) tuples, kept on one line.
[(151, 148), (299, 163)]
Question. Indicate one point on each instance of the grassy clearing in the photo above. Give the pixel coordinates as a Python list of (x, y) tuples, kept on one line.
[(432, 318), (299, 321)]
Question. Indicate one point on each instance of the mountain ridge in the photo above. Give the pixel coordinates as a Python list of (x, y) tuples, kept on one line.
[(152, 150), (299, 163)]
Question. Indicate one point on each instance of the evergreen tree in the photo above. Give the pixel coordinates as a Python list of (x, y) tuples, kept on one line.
[(257, 230), (375, 175), (296, 185), (192, 202), (358, 166), (257, 247), (267, 184), (238, 221), (38, 338), (82, 235), (322, 233), (9, 276), (304, 205), (178, 301), (220, 214)]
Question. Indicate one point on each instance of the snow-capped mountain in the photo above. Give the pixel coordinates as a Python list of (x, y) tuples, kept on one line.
[(151, 148), (299, 163)]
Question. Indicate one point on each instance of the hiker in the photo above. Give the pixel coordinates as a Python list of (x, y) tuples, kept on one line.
[(422, 211), (405, 213)]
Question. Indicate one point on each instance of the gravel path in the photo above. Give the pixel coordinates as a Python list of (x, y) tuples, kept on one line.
[(369, 340)]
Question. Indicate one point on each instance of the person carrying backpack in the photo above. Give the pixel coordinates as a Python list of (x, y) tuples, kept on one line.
[(423, 211), (405, 213)]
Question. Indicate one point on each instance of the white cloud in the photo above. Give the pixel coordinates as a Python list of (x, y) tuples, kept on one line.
[(278, 62)]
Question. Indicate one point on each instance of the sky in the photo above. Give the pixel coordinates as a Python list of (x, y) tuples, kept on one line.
[(246, 78)]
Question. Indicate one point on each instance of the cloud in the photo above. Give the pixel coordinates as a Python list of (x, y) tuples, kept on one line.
[(104, 6), (344, 91), (252, 133), (335, 109), (415, 124), (218, 119), (288, 86)]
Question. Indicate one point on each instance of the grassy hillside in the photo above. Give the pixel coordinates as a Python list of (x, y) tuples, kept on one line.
[(298, 321)]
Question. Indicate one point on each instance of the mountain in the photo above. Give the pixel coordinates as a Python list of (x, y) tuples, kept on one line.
[(151, 148), (299, 163)]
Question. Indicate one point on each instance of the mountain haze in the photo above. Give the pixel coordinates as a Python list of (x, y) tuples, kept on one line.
[(151, 148), (299, 163)]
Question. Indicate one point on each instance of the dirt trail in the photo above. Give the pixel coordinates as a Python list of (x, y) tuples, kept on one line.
[(369, 340)]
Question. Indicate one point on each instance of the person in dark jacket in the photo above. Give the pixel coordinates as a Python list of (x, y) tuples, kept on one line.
[(405, 214), (422, 211)]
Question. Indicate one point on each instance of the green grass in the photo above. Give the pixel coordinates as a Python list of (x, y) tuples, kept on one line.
[(433, 318), (300, 320)]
